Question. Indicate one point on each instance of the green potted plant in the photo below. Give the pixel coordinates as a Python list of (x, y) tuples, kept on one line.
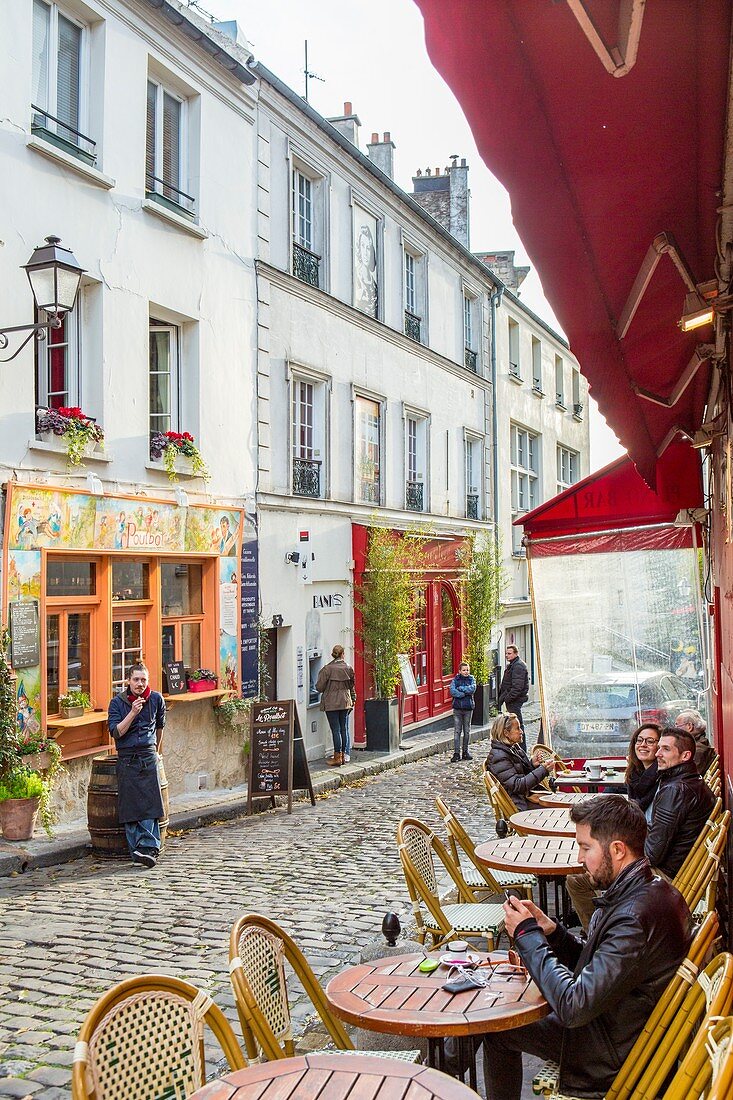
[(20, 800), (74, 703), (483, 583), (203, 679), (385, 605), (80, 433), (179, 453), (233, 711)]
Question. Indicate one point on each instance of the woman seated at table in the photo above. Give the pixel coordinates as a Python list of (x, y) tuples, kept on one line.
[(641, 771), (509, 763)]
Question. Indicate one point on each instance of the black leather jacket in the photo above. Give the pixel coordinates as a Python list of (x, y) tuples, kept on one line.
[(515, 771), (514, 688), (680, 808), (602, 991)]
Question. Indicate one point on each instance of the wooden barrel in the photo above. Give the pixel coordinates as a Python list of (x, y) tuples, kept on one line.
[(108, 835)]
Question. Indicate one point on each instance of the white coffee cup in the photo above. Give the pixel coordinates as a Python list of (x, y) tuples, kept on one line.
[(594, 771)]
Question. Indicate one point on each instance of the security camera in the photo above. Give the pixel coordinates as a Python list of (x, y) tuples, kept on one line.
[(292, 557)]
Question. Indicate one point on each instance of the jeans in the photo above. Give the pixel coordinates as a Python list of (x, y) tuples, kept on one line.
[(338, 720), (143, 836), (461, 726), (503, 1055)]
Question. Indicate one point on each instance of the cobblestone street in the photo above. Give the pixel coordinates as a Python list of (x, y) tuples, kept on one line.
[(328, 874)]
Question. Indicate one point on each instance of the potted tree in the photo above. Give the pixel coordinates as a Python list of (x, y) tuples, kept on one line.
[(74, 703), (483, 583), (385, 601)]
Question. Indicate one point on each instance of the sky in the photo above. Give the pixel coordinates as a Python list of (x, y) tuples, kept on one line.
[(372, 53)]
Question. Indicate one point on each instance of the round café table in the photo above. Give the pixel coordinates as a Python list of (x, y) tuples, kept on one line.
[(393, 996), (543, 856), (335, 1077), (544, 822), (582, 779), (550, 799)]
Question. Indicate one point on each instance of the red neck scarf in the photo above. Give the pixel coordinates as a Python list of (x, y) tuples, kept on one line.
[(145, 695)]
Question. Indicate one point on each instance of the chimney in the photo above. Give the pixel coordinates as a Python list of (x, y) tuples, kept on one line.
[(381, 153), (460, 197), (445, 196), (347, 124)]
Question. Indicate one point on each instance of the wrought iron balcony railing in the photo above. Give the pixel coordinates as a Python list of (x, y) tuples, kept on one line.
[(514, 371), (166, 192), (62, 134), (414, 496), (306, 265), (578, 410), (470, 359), (471, 505), (412, 326), (369, 492), (560, 400), (306, 477)]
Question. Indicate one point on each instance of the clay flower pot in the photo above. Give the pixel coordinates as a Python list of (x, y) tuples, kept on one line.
[(18, 817)]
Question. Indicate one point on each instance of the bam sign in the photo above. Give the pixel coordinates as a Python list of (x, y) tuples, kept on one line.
[(330, 599)]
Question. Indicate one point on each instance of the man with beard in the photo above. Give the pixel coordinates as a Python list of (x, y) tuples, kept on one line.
[(601, 991)]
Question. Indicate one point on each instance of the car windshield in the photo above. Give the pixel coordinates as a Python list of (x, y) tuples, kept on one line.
[(605, 696)]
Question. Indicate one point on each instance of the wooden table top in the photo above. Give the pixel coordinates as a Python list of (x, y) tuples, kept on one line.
[(581, 779), (544, 822), (538, 855), (335, 1077), (560, 798), (393, 996)]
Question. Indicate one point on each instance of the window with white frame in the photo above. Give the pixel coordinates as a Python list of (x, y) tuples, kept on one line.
[(58, 361), (525, 485), (416, 462), (163, 371), (536, 365), (513, 333), (414, 295), (470, 325), (568, 468), (60, 77), (308, 438), (166, 148), (308, 214), (368, 450), (559, 381), (473, 447)]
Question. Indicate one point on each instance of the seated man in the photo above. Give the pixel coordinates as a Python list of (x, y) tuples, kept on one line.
[(693, 723), (677, 814), (601, 991)]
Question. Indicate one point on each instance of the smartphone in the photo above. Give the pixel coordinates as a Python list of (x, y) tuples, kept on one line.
[(513, 892)]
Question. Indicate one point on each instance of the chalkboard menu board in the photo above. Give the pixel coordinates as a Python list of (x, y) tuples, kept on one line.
[(24, 638), (175, 677), (277, 760)]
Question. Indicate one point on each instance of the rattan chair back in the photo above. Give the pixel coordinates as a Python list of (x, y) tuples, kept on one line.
[(418, 847), (710, 995), (696, 854), (648, 1042), (704, 880), (460, 842), (501, 802), (258, 952), (145, 1037), (543, 753)]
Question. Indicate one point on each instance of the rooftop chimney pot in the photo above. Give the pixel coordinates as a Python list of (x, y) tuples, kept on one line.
[(375, 138), (463, 162), (348, 110), (387, 136)]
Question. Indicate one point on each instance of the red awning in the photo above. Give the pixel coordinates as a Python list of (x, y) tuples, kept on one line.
[(597, 168), (617, 499)]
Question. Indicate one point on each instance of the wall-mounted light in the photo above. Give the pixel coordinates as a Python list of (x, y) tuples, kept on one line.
[(54, 276), (181, 497), (96, 488), (697, 312)]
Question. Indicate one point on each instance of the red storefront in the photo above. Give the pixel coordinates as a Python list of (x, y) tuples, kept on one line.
[(441, 639)]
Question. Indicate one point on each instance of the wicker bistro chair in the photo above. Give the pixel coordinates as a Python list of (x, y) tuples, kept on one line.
[(500, 801), (708, 1069), (479, 878), (712, 776), (696, 854), (144, 1038), (418, 847), (656, 1026), (545, 753), (703, 881), (258, 951)]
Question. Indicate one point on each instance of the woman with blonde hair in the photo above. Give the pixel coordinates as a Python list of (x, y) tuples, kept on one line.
[(509, 763), (336, 684)]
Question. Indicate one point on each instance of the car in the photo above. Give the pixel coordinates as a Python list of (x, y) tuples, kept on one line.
[(595, 714)]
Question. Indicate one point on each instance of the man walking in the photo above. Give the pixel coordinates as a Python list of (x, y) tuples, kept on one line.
[(462, 689), (514, 688), (601, 991), (136, 718)]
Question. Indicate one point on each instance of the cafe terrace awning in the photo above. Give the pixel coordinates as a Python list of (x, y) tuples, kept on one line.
[(615, 510), (615, 180)]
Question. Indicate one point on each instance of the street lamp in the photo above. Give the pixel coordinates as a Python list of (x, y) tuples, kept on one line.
[(54, 275)]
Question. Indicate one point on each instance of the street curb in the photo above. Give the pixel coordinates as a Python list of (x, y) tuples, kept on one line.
[(76, 845)]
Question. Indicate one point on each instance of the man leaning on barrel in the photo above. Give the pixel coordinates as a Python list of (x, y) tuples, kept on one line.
[(136, 718)]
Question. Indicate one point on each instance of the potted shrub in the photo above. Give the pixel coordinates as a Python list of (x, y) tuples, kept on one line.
[(39, 753), (203, 679), (385, 602), (74, 703), (483, 583), (20, 800), (179, 454), (232, 712), (80, 433)]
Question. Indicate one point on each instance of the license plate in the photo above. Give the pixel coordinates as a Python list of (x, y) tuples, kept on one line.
[(598, 727)]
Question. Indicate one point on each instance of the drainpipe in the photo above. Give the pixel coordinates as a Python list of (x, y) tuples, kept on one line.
[(495, 301)]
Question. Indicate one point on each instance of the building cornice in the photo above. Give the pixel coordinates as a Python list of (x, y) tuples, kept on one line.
[(397, 518)]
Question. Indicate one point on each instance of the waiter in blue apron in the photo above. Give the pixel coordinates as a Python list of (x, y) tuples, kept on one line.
[(136, 718)]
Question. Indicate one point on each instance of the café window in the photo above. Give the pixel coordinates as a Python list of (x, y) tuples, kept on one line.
[(182, 607), (68, 648), (71, 578), (130, 580), (127, 647)]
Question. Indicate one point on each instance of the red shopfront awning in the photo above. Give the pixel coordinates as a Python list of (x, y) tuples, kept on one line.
[(597, 168)]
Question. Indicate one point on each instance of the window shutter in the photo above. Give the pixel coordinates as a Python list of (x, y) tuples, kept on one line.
[(172, 144), (150, 137), (41, 21), (67, 79)]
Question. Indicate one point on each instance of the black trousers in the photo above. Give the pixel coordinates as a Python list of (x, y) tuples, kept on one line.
[(503, 1056)]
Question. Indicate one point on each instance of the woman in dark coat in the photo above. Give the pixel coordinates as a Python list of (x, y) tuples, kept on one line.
[(509, 763), (641, 770)]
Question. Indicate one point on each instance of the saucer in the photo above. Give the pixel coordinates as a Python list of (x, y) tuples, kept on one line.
[(459, 960)]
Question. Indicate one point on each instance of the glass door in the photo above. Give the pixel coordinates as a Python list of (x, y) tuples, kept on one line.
[(127, 647)]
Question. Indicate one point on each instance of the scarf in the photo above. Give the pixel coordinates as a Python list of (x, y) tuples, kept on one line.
[(145, 695)]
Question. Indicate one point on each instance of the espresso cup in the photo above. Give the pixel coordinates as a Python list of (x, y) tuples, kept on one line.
[(457, 948), (594, 771)]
